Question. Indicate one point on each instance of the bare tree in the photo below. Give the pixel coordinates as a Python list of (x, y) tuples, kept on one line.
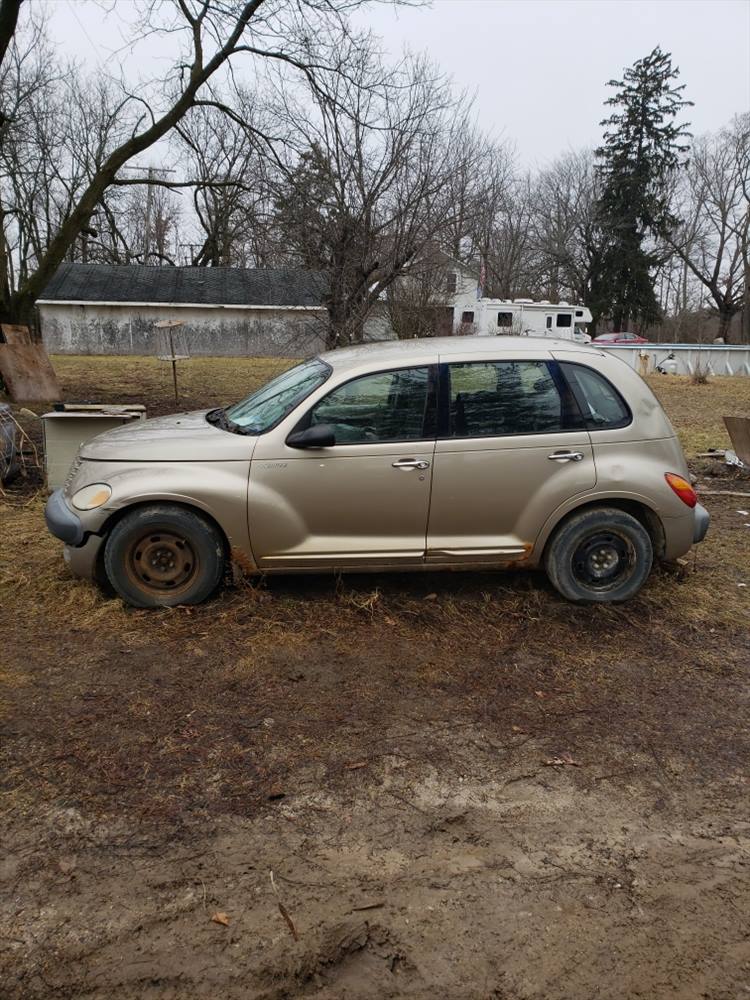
[(564, 226), (364, 190), (479, 188), (741, 145), (714, 212), (129, 122), (229, 163), (511, 255), (416, 305), (679, 294)]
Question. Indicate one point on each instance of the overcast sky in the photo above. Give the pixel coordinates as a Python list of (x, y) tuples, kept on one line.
[(538, 68)]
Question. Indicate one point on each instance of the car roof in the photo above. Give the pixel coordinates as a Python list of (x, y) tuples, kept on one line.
[(429, 348)]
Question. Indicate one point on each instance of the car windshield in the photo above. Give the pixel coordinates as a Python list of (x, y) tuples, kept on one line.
[(270, 404)]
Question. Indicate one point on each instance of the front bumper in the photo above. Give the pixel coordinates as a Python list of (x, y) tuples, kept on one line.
[(83, 560), (702, 521), (82, 547), (61, 521)]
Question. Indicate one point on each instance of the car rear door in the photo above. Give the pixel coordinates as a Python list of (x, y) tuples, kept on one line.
[(510, 451)]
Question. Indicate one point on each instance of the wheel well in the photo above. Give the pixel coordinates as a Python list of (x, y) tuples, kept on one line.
[(647, 517), (118, 515)]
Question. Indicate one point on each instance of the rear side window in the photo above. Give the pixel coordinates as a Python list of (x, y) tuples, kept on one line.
[(600, 403), (497, 398)]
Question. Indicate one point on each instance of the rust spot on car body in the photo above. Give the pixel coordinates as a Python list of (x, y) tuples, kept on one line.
[(243, 562), (521, 561)]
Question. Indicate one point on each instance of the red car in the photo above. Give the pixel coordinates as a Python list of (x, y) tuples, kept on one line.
[(619, 338)]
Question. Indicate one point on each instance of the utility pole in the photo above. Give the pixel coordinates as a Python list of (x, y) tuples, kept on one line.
[(147, 229), (151, 173), (192, 247)]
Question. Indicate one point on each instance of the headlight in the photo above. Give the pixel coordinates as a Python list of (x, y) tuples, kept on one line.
[(92, 496)]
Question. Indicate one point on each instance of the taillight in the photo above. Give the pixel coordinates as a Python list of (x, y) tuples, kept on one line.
[(682, 488)]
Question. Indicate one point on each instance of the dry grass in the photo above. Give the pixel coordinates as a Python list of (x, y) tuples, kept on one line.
[(149, 706), (697, 410), (209, 381)]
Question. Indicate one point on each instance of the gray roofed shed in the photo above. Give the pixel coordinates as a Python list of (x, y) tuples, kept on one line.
[(227, 286)]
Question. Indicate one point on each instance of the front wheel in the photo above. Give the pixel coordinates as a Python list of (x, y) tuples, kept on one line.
[(160, 556), (599, 556)]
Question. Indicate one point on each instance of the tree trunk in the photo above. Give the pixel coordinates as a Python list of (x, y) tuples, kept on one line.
[(21, 303), (725, 320), (8, 18), (346, 323), (337, 334)]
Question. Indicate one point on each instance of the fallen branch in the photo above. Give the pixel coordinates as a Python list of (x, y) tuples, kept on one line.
[(283, 911)]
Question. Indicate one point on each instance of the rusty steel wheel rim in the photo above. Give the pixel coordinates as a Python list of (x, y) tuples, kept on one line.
[(162, 562)]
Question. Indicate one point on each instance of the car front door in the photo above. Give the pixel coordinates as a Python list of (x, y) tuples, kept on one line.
[(362, 501), (511, 449)]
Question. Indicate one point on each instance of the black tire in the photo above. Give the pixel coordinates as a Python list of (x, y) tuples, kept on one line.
[(161, 556), (599, 556)]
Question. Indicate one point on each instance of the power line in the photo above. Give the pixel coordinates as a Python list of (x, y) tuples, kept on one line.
[(72, 8)]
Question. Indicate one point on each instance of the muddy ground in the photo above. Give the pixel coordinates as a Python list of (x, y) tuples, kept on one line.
[(452, 786)]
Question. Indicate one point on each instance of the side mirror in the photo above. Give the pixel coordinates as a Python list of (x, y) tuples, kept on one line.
[(318, 436)]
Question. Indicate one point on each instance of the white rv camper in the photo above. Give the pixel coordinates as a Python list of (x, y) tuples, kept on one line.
[(522, 317)]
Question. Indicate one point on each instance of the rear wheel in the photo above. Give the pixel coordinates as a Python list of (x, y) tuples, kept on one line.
[(160, 556), (599, 555)]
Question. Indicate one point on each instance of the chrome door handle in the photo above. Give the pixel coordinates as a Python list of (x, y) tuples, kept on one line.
[(566, 456), (410, 463)]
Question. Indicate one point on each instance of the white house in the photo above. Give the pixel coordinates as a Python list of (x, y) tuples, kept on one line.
[(517, 317)]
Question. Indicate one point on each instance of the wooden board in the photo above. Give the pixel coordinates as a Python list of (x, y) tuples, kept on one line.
[(27, 373), (739, 434), (101, 408), (15, 334)]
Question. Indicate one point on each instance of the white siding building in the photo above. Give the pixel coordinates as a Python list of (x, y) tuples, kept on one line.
[(112, 309)]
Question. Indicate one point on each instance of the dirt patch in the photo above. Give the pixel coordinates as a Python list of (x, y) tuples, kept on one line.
[(449, 785)]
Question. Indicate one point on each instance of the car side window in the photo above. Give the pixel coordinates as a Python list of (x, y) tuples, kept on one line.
[(385, 406), (600, 403), (495, 398)]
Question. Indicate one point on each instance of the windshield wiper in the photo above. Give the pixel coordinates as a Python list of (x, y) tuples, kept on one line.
[(219, 418)]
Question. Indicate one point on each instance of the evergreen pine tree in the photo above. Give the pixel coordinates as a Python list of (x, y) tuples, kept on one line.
[(642, 146)]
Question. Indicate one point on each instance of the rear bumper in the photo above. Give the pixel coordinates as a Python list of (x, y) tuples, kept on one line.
[(702, 521)]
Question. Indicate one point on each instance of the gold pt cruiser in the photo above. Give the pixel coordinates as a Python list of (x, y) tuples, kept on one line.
[(462, 452)]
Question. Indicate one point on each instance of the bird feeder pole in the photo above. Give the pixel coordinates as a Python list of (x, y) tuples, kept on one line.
[(169, 325)]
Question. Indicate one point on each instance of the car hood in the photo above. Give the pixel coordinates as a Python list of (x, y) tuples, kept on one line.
[(181, 437)]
